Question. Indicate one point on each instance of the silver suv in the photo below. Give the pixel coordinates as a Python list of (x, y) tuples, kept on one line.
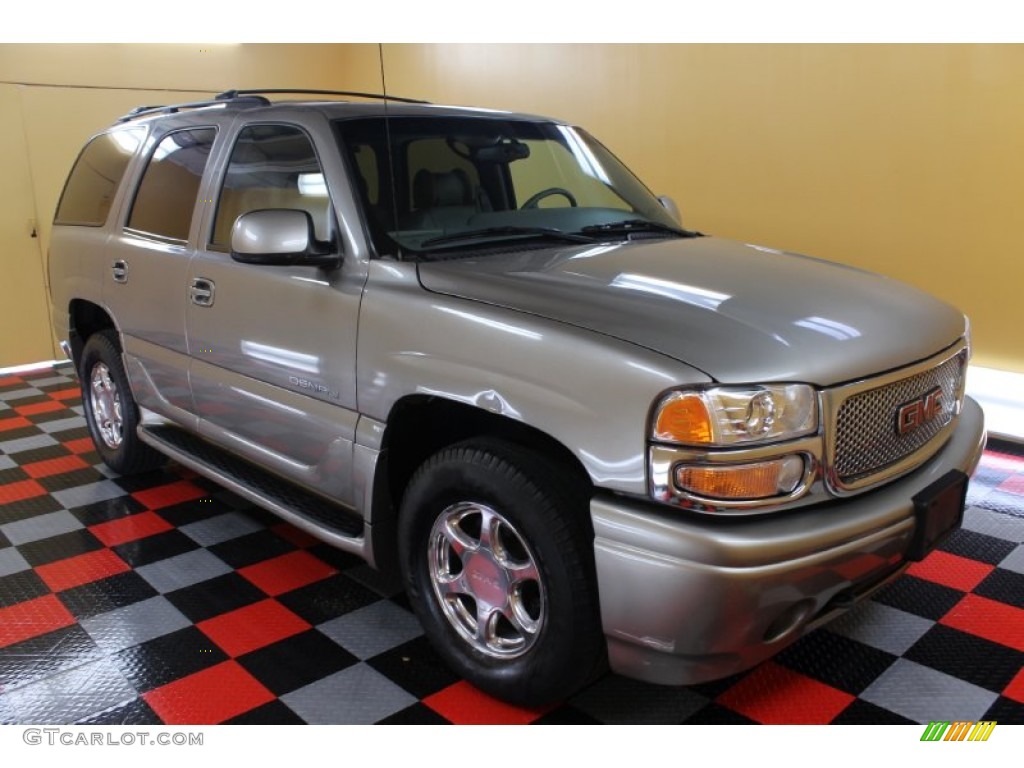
[(471, 345)]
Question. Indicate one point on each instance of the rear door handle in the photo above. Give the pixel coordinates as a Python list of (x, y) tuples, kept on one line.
[(201, 292), (119, 269)]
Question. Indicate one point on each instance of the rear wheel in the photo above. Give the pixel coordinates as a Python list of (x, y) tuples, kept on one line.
[(497, 558), (110, 409)]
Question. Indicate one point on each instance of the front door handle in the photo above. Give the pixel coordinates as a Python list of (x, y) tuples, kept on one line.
[(119, 269), (201, 292)]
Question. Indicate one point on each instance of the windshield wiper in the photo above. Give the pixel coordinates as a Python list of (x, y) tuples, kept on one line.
[(629, 226), (497, 233)]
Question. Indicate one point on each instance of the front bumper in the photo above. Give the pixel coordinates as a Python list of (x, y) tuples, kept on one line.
[(686, 599)]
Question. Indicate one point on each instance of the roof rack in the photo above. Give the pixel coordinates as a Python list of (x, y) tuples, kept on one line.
[(145, 111), (254, 91)]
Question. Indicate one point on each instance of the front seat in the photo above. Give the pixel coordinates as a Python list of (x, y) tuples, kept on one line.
[(441, 200)]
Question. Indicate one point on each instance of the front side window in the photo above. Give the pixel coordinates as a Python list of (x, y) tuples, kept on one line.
[(170, 185), (272, 166), (93, 182)]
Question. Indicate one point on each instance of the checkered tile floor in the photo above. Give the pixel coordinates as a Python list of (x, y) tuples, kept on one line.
[(164, 599)]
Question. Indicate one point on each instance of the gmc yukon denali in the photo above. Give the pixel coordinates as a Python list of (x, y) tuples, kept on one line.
[(471, 346)]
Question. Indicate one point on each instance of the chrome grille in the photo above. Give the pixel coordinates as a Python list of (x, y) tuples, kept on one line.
[(867, 440)]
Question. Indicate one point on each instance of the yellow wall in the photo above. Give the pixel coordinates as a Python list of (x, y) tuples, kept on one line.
[(903, 159)]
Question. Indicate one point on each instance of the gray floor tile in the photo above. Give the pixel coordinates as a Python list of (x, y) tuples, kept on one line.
[(183, 570), (923, 694), (11, 561), (81, 495), (27, 443), (358, 695), (19, 394), (62, 425), (995, 524), (374, 629), (1014, 561), (619, 701), (224, 527), (70, 696), (6, 462), (134, 624), (41, 527), (53, 381), (881, 626)]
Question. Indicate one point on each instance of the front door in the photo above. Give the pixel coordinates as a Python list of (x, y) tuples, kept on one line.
[(272, 347)]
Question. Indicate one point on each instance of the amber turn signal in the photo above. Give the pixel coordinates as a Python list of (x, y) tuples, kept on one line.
[(684, 418), (761, 480)]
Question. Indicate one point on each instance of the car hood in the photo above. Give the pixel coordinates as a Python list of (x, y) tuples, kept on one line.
[(740, 313)]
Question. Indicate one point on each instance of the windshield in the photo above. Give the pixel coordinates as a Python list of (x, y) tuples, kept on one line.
[(431, 184)]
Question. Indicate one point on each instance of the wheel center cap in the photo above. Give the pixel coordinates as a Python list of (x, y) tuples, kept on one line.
[(487, 580)]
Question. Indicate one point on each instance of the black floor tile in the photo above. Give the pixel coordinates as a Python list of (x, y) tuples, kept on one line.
[(252, 548), (152, 549), (273, 713), (716, 714), (135, 713), (977, 546), (1005, 712), (106, 595), (215, 596), (74, 479), (21, 587), (1004, 586), (920, 597), (168, 658), (39, 657), (108, 510), (60, 547), (296, 661), (416, 714), (861, 712), (328, 599), (836, 660), (974, 659), (416, 667)]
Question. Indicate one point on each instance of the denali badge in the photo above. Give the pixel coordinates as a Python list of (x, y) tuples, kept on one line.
[(912, 415)]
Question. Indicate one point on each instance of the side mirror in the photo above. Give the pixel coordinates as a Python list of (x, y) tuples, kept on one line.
[(670, 205), (280, 237)]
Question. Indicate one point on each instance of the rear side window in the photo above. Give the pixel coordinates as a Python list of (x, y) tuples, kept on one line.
[(90, 189), (170, 185)]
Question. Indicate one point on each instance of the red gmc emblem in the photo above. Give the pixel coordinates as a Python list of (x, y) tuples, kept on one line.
[(912, 415)]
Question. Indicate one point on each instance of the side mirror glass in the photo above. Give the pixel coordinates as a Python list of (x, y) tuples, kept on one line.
[(279, 237), (670, 205)]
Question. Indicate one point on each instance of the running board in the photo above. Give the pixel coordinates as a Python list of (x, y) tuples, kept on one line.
[(328, 522)]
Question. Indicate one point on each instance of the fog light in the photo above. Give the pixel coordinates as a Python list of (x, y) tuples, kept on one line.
[(759, 480)]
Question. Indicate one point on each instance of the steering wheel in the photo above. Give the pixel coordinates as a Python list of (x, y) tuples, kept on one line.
[(534, 199)]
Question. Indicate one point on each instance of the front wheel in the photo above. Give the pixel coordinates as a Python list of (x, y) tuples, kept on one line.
[(110, 409), (497, 558)]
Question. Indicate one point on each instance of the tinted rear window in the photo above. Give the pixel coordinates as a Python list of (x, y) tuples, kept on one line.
[(90, 189)]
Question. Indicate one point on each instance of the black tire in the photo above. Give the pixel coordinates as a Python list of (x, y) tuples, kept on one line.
[(110, 409), (545, 641)]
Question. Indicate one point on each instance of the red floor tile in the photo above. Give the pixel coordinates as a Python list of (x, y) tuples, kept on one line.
[(1014, 484), (81, 569), (130, 528), (1015, 690), (23, 489), (252, 627), (1003, 461), (168, 495), (208, 697), (54, 466), (17, 422), (34, 408), (10, 381), (32, 618), (465, 705), (66, 394), (775, 695), (951, 570), (81, 445), (287, 572), (990, 619)]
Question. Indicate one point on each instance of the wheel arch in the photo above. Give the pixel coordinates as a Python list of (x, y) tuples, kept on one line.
[(421, 425), (84, 319)]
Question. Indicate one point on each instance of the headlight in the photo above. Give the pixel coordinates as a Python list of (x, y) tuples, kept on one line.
[(724, 416)]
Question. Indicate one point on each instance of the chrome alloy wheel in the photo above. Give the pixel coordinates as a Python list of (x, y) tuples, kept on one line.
[(486, 580), (106, 406)]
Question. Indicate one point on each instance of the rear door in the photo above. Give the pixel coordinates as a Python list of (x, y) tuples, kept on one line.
[(144, 280), (273, 347)]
